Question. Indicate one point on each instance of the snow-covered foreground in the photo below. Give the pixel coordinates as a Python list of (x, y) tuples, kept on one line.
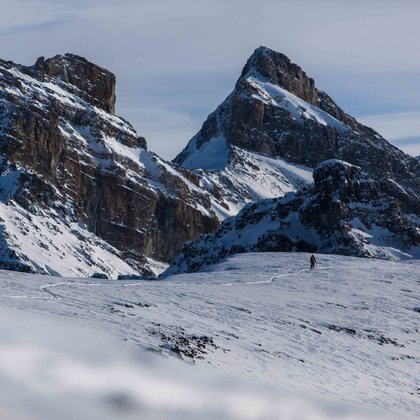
[(268, 337)]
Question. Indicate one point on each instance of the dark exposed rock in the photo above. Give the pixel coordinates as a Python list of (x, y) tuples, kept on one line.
[(337, 328), (99, 276), (189, 347)]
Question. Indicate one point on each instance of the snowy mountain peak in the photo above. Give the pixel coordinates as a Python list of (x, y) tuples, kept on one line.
[(276, 111), (270, 66)]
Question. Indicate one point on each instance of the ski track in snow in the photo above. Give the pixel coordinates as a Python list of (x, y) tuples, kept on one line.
[(46, 288), (348, 330)]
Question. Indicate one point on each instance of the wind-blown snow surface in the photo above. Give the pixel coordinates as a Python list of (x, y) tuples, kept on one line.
[(255, 325)]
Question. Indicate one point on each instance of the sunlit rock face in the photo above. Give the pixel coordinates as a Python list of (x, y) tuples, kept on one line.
[(71, 169)]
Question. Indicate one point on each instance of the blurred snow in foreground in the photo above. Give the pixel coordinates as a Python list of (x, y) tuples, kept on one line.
[(52, 369)]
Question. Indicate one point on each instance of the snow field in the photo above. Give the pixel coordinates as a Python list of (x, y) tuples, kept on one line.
[(254, 326)]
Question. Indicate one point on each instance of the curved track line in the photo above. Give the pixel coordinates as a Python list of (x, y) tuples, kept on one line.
[(46, 287), (273, 279), (26, 297)]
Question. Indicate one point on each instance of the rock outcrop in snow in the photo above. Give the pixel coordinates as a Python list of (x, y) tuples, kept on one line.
[(345, 212), (276, 111), (79, 191)]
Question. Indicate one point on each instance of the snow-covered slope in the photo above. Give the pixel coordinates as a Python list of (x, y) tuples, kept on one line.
[(345, 212), (45, 243), (235, 176), (79, 192), (257, 326)]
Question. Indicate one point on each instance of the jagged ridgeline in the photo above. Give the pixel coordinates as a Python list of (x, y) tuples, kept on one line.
[(79, 192)]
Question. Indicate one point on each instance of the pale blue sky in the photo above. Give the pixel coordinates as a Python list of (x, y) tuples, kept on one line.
[(176, 60)]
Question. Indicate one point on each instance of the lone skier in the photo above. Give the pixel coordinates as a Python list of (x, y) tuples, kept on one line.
[(313, 261)]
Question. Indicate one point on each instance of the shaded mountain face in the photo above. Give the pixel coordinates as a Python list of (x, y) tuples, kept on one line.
[(276, 110), (344, 212), (79, 192)]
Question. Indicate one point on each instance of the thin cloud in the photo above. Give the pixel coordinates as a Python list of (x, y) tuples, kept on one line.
[(411, 149), (401, 128), (20, 14), (395, 126), (162, 127), (36, 26)]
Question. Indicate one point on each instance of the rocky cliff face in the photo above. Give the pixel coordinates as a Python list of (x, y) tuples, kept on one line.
[(344, 212), (276, 110), (76, 180)]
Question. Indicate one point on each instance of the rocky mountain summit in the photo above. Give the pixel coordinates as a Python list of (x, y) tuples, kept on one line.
[(344, 212), (276, 111), (92, 83), (79, 192)]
